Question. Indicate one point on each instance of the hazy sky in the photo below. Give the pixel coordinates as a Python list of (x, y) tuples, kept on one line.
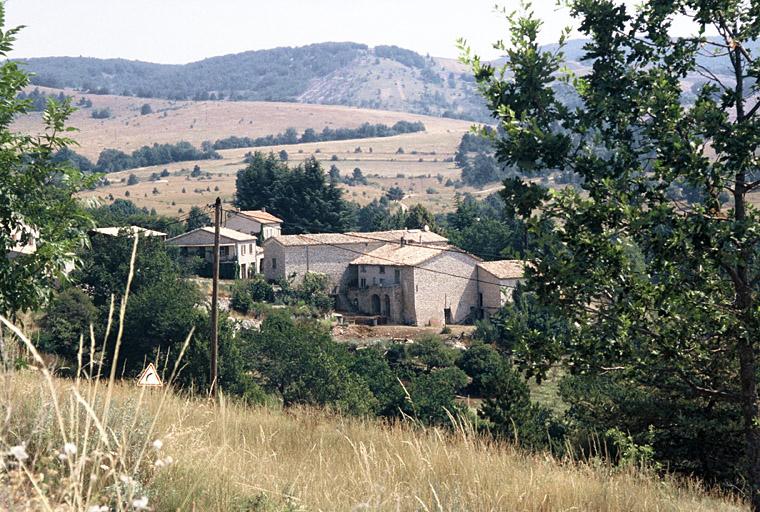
[(179, 31)]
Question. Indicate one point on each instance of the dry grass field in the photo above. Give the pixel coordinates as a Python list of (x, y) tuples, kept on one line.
[(422, 170), (230, 457)]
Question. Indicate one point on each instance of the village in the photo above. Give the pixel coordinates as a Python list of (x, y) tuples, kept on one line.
[(411, 277)]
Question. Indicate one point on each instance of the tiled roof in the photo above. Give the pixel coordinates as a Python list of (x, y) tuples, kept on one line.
[(504, 269), (412, 235), (230, 234), (261, 216), (398, 255), (116, 231)]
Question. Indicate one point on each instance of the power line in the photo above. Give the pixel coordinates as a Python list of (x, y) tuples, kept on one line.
[(398, 263), (448, 248)]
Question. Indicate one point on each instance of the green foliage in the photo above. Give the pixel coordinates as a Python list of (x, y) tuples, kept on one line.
[(431, 395), (418, 217), (37, 205), (123, 212), (245, 293), (313, 290), (67, 317), (510, 413), (146, 109), (197, 218), (663, 292), (301, 363), (302, 195), (100, 113), (327, 134), (484, 364), (395, 193), (112, 160)]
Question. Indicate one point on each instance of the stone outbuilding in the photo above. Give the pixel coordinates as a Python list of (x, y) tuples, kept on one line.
[(498, 280)]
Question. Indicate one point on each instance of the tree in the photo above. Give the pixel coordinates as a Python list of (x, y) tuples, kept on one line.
[(68, 317), (36, 194), (302, 195), (395, 194), (283, 155), (663, 293), (299, 361), (162, 304), (334, 174), (197, 218), (133, 180), (418, 217), (146, 109)]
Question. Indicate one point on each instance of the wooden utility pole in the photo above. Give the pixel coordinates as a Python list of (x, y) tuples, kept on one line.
[(215, 299)]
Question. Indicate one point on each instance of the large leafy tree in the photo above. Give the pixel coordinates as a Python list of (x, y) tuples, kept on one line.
[(660, 292), (37, 207)]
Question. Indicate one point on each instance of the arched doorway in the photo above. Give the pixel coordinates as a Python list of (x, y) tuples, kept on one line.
[(375, 304), (387, 307)]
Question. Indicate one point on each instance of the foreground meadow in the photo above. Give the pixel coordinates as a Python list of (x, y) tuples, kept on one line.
[(156, 450)]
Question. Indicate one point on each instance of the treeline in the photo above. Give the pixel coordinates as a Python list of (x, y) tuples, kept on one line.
[(278, 74), (112, 160), (291, 136), (38, 99)]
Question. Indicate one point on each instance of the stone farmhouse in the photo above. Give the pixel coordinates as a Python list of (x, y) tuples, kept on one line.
[(411, 277), (254, 222), (236, 249)]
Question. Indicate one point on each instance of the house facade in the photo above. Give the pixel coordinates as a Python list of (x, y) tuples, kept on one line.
[(331, 254), (416, 285), (498, 280), (235, 248), (411, 277), (254, 222)]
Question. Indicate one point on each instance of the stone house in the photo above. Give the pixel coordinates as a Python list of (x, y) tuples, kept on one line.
[(235, 248), (408, 284), (498, 280), (254, 222), (289, 256)]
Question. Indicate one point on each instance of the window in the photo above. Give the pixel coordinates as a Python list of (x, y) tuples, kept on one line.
[(274, 263), (397, 276), (250, 248), (363, 269), (382, 282), (224, 252), (382, 269), (363, 282), (242, 250)]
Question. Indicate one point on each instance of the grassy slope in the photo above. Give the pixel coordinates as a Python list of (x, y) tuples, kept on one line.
[(232, 457)]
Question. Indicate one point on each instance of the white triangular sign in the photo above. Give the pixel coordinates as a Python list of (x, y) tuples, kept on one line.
[(149, 377)]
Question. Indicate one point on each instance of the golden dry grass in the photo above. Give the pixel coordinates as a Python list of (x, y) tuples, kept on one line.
[(196, 121), (232, 457)]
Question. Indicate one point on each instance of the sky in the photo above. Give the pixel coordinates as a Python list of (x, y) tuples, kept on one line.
[(180, 31)]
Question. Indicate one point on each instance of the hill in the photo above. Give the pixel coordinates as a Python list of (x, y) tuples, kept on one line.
[(181, 453), (384, 77), (126, 128)]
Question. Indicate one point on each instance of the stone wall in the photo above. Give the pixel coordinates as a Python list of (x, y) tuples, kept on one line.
[(447, 281)]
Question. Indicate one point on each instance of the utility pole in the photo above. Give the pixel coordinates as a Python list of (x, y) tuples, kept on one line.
[(215, 299)]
